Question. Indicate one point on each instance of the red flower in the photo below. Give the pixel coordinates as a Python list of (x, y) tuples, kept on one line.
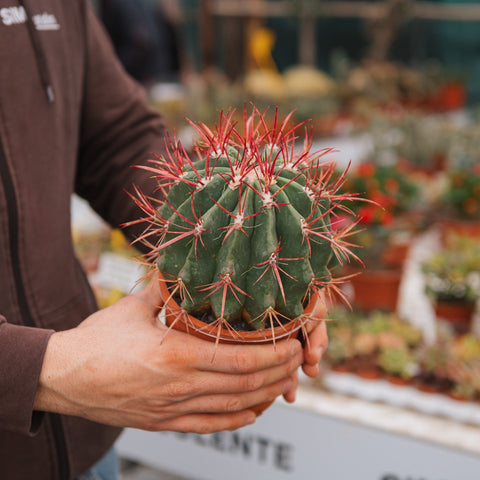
[(366, 169)]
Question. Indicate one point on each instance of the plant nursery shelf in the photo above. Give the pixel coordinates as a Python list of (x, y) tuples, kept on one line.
[(402, 396)]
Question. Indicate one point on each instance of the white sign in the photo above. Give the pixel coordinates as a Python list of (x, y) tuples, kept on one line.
[(292, 443), (117, 272)]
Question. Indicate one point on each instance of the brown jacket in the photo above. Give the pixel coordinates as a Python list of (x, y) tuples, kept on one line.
[(70, 120)]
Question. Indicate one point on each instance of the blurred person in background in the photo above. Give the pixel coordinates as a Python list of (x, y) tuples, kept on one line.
[(146, 37)]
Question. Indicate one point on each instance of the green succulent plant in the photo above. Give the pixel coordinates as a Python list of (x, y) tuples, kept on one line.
[(452, 274), (397, 361)]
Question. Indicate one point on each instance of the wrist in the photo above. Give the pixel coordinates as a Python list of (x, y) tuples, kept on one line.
[(48, 397)]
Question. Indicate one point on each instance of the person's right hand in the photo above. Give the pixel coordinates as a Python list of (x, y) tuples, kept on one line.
[(122, 367)]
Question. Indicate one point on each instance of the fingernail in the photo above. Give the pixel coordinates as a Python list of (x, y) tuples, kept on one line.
[(251, 419), (319, 352), (288, 386), (296, 348)]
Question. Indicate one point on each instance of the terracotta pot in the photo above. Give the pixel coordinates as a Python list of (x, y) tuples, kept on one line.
[(459, 315), (397, 380), (341, 367), (180, 320), (377, 289), (395, 255), (458, 398), (371, 373)]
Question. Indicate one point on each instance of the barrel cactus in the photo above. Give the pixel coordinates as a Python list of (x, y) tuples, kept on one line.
[(244, 236)]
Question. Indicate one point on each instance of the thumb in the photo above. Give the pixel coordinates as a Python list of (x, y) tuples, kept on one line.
[(151, 294)]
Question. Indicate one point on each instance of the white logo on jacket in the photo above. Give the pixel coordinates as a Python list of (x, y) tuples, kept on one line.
[(17, 15)]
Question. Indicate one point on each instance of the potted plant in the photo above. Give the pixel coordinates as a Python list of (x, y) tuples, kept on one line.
[(384, 235), (340, 352), (365, 347), (408, 333), (366, 344), (452, 281), (398, 345), (242, 241), (460, 202), (398, 363), (433, 367), (417, 139), (464, 369)]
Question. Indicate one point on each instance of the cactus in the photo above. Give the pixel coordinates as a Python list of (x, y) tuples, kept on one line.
[(245, 231)]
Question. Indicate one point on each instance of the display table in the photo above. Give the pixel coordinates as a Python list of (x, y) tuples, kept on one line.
[(324, 435)]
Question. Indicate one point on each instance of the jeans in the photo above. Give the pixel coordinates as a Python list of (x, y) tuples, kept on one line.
[(107, 468)]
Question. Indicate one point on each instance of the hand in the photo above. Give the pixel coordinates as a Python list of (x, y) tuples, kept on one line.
[(122, 367), (317, 341)]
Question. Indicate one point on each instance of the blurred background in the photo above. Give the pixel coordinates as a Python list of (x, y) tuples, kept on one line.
[(394, 87)]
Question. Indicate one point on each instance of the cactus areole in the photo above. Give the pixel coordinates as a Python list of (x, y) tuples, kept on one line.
[(244, 235)]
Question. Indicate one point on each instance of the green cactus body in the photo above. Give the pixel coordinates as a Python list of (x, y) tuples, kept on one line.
[(246, 232)]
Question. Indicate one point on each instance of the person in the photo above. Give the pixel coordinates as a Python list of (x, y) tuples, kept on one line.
[(144, 38), (71, 376)]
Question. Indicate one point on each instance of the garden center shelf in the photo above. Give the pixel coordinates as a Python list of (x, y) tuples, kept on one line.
[(402, 396)]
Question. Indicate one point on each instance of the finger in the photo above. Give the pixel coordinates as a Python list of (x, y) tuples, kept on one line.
[(292, 393), (221, 383), (240, 359), (151, 294), (316, 311), (318, 341), (229, 403), (208, 423), (317, 344)]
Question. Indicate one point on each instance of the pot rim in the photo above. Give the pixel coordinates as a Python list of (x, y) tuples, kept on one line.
[(177, 317)]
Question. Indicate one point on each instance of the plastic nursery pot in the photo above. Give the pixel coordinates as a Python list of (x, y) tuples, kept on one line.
[(189, 324)]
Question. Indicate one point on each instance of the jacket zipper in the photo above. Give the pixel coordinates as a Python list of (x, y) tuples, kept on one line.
[(27, 317)]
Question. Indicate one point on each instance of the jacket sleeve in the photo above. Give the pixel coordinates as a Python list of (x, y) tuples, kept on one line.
[(19, 380), (119, 130)]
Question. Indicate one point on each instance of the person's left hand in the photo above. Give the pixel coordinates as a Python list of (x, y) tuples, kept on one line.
[(317, 341)]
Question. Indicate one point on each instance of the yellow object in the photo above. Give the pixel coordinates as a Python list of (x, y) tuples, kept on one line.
[(261, 45), (304, 81), (265, 84), (117, 241)]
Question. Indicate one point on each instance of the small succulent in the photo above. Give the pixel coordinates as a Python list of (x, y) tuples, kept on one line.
[(453, 272), (365, 343), (340, 345), (397, 361), (409, 333)]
